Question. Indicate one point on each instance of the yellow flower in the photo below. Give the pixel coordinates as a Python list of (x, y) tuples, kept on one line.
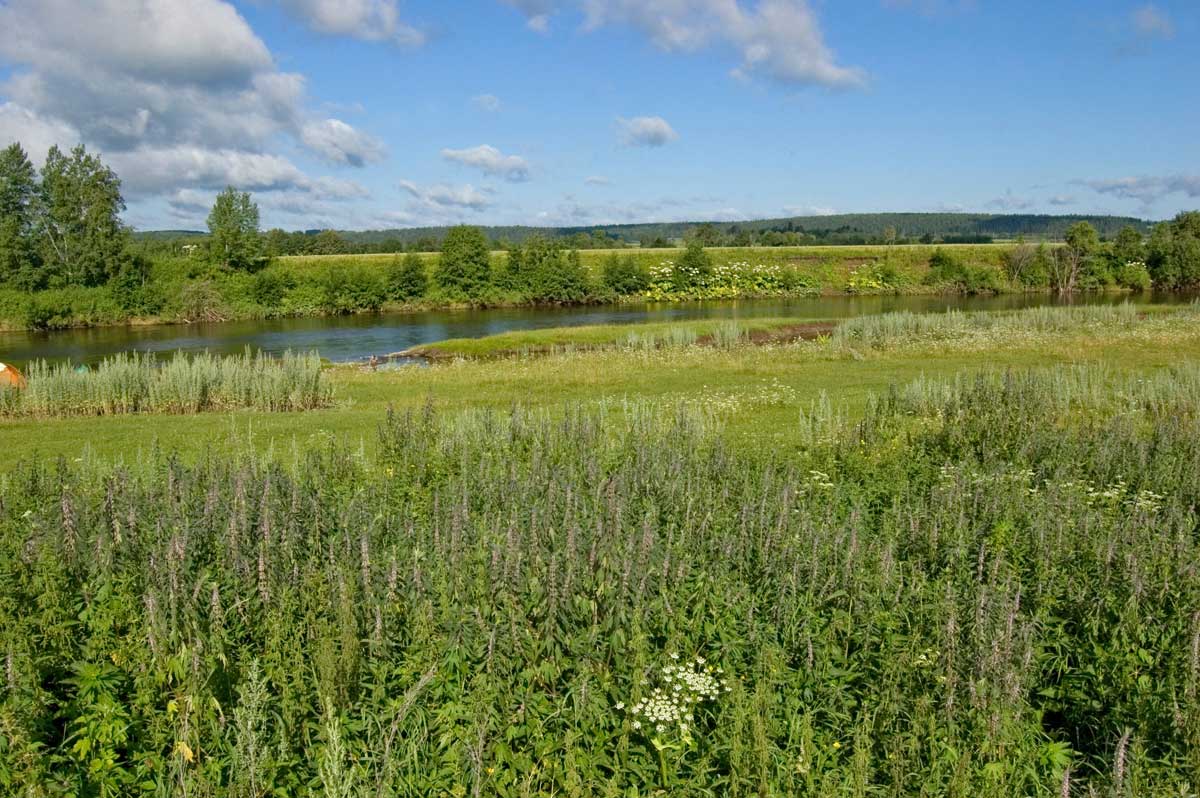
[(836, 744), (185, 750)]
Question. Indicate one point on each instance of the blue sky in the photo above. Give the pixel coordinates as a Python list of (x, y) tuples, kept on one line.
[(361, 114)]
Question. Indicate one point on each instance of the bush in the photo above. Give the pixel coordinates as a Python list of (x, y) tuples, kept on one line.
[(200, 301), (406, 278), (624, 275), (948, 271), (48, 310), (693, 269), (352, 290), (464, 267), (1134, 275), (271, 286)]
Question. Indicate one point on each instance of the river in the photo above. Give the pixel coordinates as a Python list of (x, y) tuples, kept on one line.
[(355, 338)]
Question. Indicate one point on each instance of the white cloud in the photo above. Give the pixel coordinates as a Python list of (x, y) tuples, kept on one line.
[(491, 161), (646, 131), (808, 210), (369, 20), (486, 102), (777, 38), (340, 143), (1062, 199), (443, 197), (1147, 189), (176, 95), (36, 134), (597, 180), (1151, 22)]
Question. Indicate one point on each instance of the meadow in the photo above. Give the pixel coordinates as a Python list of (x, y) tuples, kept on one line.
[(920, 555)]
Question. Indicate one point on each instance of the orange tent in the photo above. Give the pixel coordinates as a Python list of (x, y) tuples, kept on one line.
[(10, 377)]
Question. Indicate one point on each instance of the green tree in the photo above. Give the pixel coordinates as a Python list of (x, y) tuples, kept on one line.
[(1173, 253), (18, 197), (465, 265), (328, 242), (233, 224), (276, 243), (406, 278), (79, 230), (1073, 260), (1128, 246)]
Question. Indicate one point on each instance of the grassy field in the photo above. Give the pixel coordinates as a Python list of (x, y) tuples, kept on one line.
[(946, 555), (763, 387)]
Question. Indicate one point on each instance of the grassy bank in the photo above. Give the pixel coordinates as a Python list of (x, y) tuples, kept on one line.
[(945, 596), (178, 290), (762, 389)]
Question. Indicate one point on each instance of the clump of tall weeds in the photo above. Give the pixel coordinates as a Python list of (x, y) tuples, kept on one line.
[(986, 587), (184, 383)]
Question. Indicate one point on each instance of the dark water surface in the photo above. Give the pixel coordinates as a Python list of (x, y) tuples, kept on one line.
[(352, 338)]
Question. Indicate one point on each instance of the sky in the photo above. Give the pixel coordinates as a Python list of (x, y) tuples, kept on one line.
[(371, 114)]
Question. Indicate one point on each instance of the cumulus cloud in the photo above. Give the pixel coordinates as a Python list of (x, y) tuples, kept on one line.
[(597, 180), (780, 39), (1148, 189), (491, 161), (176, 94), (442, 197), (486, 102), (1062, 199), (1151, 22), (369, 20), (36, 134), (340, 143), (646, 131)]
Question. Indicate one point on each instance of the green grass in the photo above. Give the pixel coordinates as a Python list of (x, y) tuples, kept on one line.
[(767, 387), (598, 336), (978, 586)]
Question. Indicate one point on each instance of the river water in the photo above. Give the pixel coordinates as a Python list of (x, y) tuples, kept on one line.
[(355, 338)]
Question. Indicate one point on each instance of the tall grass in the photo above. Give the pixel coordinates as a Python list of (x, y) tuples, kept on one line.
[(891, 328), (140, 383), (977, 589)]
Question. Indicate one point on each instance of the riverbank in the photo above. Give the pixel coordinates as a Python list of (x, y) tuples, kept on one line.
[(760, 390), (185, 290)]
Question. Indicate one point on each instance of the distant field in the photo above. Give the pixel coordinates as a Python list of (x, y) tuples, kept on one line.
[(831, 267)]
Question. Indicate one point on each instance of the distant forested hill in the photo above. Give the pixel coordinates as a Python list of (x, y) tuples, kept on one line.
[(850, 228)]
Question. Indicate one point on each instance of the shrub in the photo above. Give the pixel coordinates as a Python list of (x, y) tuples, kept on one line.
[(948, 271), (271, 286), (464, 266), (693, 269), (406, 278), (352, 290), (624, 275), (200, 301), (1134, 275)]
